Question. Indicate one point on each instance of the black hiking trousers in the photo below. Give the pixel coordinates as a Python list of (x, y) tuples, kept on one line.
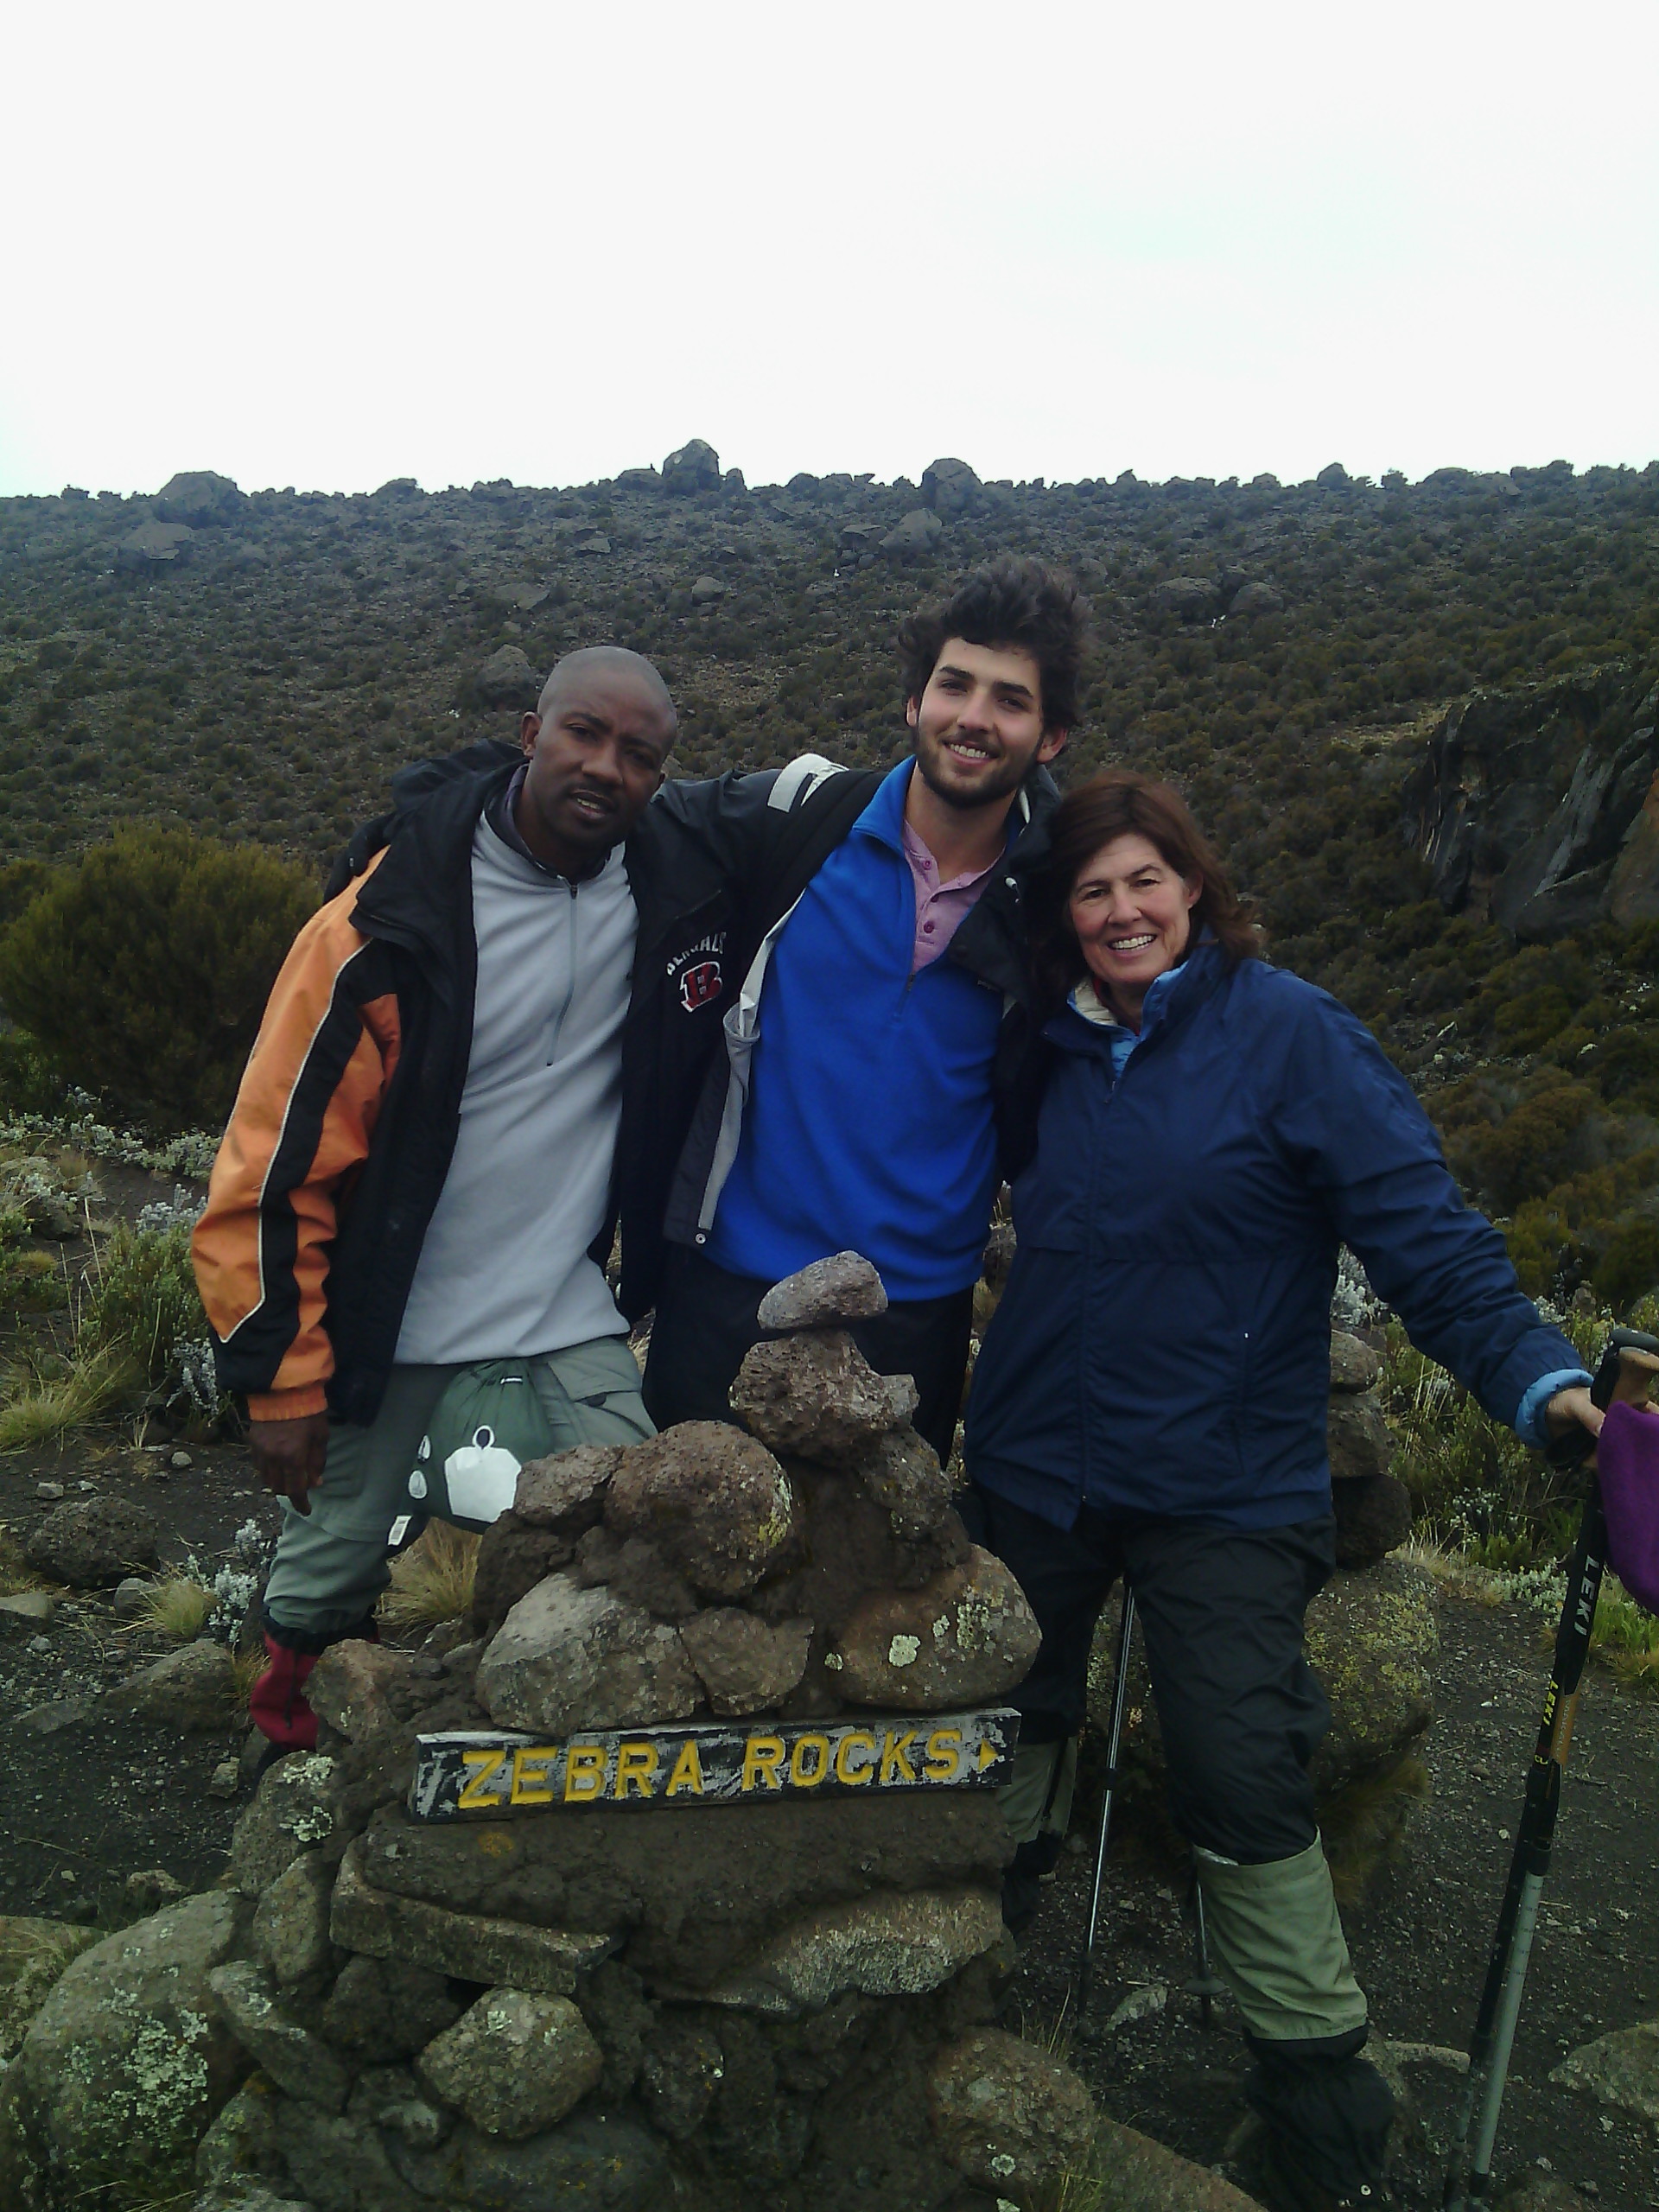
[(707, 1319)]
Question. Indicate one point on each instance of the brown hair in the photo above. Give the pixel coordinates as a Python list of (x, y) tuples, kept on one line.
[(1122, 803)]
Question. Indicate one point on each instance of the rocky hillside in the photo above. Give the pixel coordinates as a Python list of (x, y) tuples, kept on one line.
[(1476, 875)]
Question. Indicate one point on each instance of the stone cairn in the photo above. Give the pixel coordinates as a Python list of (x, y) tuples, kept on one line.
[(1371, 1635), (592, 1991)]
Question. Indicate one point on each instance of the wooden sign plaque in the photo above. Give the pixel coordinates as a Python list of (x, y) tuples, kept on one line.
[(492, 1774)]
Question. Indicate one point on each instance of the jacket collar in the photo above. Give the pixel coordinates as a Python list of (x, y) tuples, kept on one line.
[(1025, 837), (1172, 1000)]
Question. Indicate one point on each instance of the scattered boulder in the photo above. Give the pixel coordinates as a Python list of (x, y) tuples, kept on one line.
[(1256, 598), (155, 546), (506, 679), (746, 1666), (891, 1944), (1190, 598), (26, 1613), (706, 591), (514, 2063), (349, 1686), (200, 498), (950, 488), (567, 1658), (598, 2158), (826, 1295), (693, 468), (914, 537), (1540, 2192), (193, 1689), (964, 1638), (713, 1502), (565, 1492), (125, 2064), (93, 1543), (595, 542), (1621, 2069), (638, 480), (814, 1394), (1007, 2114), (33, 1954)]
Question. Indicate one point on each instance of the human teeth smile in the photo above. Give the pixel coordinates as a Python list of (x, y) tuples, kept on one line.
[(1132, 944)]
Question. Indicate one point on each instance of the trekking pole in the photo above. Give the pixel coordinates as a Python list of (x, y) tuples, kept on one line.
[(1119, 1692), (1203, 1985), (1627, 1370)]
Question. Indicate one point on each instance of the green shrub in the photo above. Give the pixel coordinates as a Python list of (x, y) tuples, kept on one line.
[(142, 970), (1628, 1265)]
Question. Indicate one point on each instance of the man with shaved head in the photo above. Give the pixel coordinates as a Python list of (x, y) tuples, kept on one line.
[(408, 1214)]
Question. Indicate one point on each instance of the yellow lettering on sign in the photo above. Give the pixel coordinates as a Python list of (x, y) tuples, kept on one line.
[(474, 1798), (893, 1762), (855, 1739), (944, 1747), (986, 1753), (584, 1771), (636, 1764), (532, 1784), (762, 1756), (799, 1773), (688, 1771)]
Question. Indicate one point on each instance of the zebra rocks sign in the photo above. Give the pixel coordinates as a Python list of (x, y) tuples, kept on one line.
[(491, 1774)]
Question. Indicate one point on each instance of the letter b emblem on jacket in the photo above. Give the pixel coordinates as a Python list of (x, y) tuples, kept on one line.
[(701, 985)]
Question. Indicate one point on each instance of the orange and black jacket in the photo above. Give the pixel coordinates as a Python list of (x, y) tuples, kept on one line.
[(344, 1126)]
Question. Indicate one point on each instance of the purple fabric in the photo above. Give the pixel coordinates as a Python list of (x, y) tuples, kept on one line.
[(1627, 1453), (941, 908)]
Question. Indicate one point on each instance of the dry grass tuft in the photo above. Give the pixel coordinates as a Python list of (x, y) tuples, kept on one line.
[(16, 1574), (178, 1607), (247, 1667), (52, 1405), (432, 1581)]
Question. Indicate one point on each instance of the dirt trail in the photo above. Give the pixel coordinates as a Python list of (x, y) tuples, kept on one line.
[(1420, 1939)]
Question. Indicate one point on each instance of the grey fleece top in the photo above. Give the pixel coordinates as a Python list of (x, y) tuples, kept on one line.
[(504, 1272)]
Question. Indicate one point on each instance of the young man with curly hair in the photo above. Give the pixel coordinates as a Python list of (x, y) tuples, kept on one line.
[(855, 1108)]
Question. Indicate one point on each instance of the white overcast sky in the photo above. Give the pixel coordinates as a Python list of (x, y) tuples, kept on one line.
[(327, 245)]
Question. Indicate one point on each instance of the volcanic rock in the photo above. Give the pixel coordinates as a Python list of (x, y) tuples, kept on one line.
[(290, 1923), (694, 468), (511, 1559), (293, 2058), (126, 2062), (565, 1492), (93, 1543), (966, 1636), (903, 1473), (635, 1571), (348, 1687), (598, 2158), (1373, 1517), (816, 1394), (506, 679), (715, 1502), (290, 1813), (1371, 1639), (889, 1945), (1007, 2114), (386, 2009), (567, 1658), (470, 1946), (914, 537), (744, 1666), (200, 498), (155, 546), (1191, 599), (1354, 1366), (707, 590), (193, 1689), (1357, 1438), (844, 1287), (950, 488), (514, 2063), (1621, 2069)]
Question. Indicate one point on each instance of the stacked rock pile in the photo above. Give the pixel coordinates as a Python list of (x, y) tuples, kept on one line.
[(1371, 1635), (675, 1880)]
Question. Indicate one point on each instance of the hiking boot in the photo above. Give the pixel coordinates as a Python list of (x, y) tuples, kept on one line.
[(1285, 2185)]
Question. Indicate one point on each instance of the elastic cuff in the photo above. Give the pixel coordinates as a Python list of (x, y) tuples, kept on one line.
[(289, 1405)]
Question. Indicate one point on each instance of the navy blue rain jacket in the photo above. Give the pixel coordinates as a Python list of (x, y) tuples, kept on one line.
[(1163, 1344)]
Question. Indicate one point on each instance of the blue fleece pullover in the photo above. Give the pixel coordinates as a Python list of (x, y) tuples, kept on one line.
[(869, 1126), (1163, 1344)]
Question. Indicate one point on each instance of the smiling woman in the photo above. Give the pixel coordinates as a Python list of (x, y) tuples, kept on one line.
[(1204, 1133)]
